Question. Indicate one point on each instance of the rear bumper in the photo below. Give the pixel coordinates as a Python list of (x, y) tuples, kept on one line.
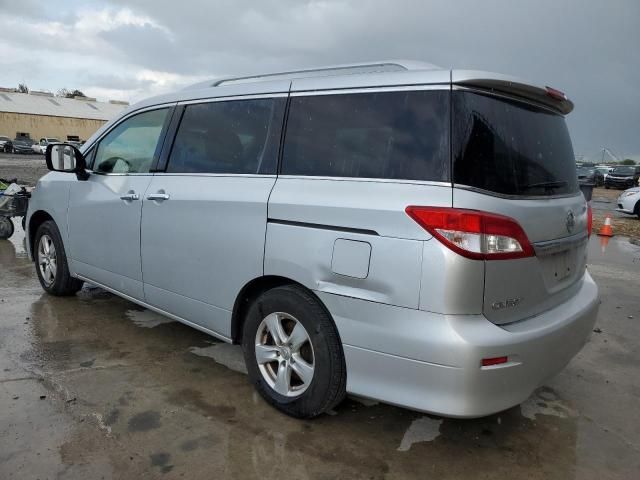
[(432, 362)]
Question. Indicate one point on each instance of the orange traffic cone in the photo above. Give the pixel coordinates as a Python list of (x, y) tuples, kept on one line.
[(606, 230)]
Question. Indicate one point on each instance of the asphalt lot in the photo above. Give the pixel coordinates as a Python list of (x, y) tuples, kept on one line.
[(95, 387), (27, 168)]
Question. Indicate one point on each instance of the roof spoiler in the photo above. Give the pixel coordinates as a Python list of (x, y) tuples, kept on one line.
[(547, 96)]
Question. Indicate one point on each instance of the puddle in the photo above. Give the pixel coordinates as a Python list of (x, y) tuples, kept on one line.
[(424, 429), (147, 318), (225, 354), (545, 402)]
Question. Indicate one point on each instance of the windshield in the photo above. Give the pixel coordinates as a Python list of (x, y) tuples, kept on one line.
[(4, 139), (624, 170), (585, 171), (510, 147)]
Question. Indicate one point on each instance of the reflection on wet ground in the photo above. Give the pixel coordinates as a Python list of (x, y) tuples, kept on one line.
[(96, 387)]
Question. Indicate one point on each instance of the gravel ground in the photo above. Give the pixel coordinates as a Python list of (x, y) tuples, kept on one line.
[(604, 203), (26, 168)]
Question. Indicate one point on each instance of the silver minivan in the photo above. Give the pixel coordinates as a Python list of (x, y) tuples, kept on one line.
[(402, 233)]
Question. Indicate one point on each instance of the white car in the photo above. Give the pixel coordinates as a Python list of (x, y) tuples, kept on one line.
[(41, 146), (629, 202)]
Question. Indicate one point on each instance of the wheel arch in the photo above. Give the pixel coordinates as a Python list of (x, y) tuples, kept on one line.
[(37, 218), (253, 290)]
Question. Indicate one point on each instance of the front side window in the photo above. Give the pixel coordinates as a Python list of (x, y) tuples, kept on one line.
[(392, 135), (232, 137), (131, 146)]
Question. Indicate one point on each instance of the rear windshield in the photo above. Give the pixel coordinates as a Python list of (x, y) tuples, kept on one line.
[(510, 148)]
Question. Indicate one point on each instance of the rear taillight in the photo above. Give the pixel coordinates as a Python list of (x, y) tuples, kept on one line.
[(474, 234), (589, 219)]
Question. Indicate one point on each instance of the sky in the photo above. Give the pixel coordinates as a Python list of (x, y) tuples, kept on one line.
[(132, 49)]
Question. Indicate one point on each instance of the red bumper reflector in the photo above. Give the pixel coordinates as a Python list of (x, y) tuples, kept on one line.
[(487, 362)]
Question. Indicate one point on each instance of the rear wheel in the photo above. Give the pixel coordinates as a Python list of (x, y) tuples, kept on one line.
[(293, 352), (51, 262)]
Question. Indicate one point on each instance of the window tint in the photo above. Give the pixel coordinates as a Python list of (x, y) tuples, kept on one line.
[(394, 135), (510, 147), (236, 136), (131, 146)]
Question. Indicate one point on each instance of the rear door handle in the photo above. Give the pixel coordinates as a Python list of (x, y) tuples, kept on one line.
[(158, 196), (130, 196)]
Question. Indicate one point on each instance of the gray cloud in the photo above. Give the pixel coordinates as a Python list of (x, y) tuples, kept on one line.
[(588, 49)]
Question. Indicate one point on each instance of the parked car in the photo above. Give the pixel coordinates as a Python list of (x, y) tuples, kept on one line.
[(604, 170), (41, 146), (590, 175), (623, 176), (23, 145), (377, 248), (6, 145), (629, 202)]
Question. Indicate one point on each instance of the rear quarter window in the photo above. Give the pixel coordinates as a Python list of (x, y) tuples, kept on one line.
[(510, 147), (391, 135)]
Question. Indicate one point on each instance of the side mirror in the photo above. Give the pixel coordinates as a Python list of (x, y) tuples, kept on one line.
[(62, 157)]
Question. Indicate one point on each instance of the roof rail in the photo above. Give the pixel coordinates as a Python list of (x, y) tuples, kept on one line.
[(347, 69)]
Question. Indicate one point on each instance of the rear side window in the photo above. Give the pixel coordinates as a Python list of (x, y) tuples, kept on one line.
[(393, 135), (235, 136), (510, 147)]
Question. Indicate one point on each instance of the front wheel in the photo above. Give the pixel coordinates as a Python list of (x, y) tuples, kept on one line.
[(51, 262), (293, 352)]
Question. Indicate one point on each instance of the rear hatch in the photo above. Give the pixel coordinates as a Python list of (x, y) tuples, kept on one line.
[(512, 156)]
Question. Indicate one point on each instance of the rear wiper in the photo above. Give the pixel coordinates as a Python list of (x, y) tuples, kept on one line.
[(546, 185)]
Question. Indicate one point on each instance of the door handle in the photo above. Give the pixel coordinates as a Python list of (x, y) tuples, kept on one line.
[(130, 196), (158, 196)]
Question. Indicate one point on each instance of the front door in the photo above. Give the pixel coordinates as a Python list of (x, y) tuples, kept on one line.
[(204, 219), (104, 211)]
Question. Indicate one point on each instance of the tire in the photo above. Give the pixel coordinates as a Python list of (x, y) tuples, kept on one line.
[(321, 350), (636, 209), (606, 186), (23, 222), (6, 228), (48, 251)]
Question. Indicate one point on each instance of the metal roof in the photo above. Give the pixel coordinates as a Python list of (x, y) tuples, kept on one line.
[(38, 104)]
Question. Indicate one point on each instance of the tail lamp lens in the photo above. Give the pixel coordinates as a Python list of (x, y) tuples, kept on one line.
[(589, 219), (474, 234)]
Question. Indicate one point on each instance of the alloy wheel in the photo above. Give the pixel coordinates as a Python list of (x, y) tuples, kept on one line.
[(284, 354), (47, 260)]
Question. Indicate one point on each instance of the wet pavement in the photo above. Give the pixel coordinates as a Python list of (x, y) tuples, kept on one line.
[(94, 386)]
